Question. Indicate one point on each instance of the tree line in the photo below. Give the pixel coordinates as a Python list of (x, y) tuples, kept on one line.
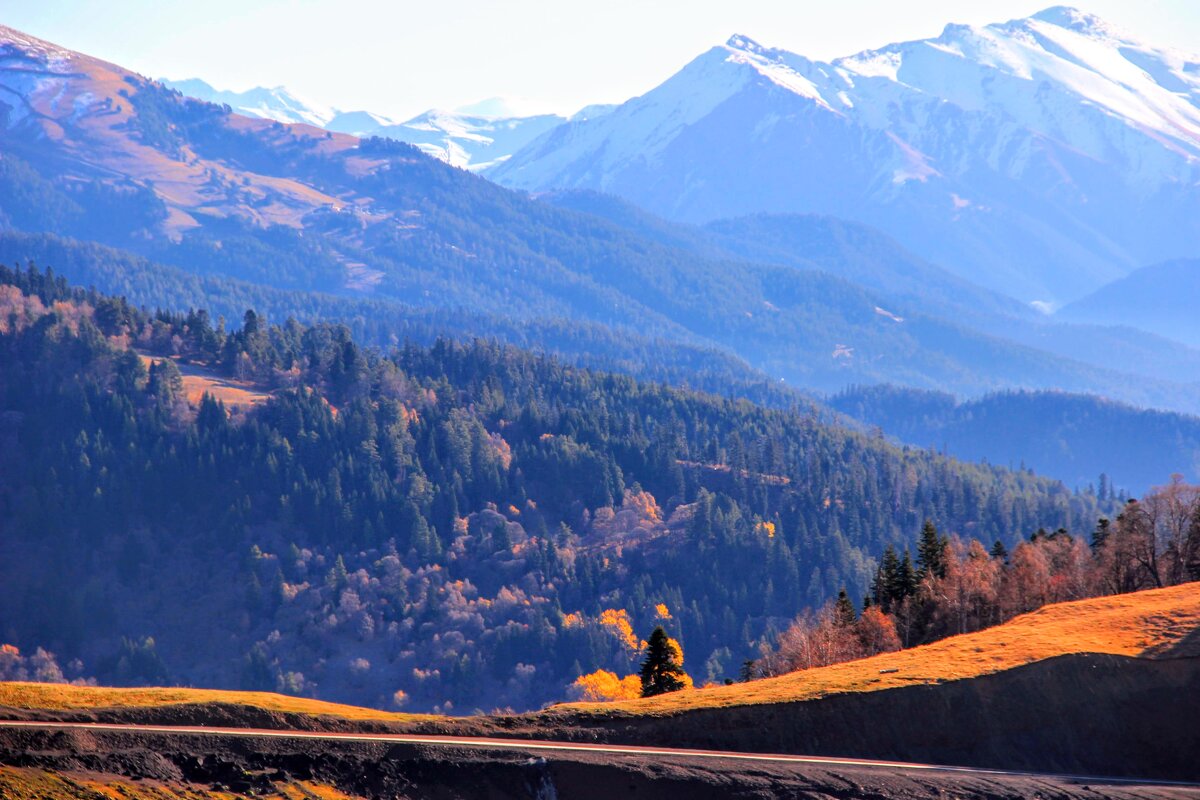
[(957, 585)]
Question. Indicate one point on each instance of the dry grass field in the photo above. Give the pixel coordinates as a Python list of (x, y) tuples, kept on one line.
[(1149, 624), (197, 382), (64, 697), (1160, 622), (17, 783)]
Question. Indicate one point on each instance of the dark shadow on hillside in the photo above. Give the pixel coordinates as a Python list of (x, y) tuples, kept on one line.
[(1186, 647)]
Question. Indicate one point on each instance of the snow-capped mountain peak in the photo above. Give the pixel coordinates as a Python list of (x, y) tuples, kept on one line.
[(1076, 20), (1040, 156), (1013, 68), (784, 69), (277, 103)]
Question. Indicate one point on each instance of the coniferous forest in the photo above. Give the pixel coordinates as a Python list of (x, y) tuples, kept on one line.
[(449, 526)]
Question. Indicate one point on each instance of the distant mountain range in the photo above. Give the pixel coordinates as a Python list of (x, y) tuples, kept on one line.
[(474, 137), (277, 104), (1162, 298), (233, 211), (1042, 157)]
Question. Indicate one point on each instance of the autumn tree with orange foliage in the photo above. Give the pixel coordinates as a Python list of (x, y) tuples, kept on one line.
[(617, 621), (603, 686), (830, 636)]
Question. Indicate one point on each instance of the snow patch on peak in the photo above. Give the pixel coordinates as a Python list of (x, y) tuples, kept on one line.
[(12, 40), (784, 69), (1074, 19)]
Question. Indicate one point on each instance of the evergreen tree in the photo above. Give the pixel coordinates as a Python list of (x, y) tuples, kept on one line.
[(1100, 535), (844, 615), (931, 553), (999, 551), (906, 578), (885, 587), (662, 670)]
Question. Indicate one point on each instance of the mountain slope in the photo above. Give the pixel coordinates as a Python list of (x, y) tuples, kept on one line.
[(848, 250), (1146, 624), (908, 284), (1041, 157), (1160, 298), (1065, 689), (94, 152)]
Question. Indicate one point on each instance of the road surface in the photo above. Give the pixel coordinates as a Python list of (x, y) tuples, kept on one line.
[(549, 747)]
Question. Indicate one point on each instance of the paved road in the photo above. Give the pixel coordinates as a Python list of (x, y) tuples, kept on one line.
[(536, 745)]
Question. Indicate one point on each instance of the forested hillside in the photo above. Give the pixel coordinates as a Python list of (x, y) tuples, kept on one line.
[(388, 322), (450, 526), (1082, 440)]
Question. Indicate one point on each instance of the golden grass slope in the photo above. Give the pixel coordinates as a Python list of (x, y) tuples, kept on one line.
[(64, 697), (1149, 624), (1159, 622)]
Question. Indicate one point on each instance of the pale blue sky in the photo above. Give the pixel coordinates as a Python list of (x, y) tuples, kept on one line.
[(399, 58)]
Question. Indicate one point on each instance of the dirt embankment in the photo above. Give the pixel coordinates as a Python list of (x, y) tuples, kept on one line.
[(1080, 714), (219, 765)]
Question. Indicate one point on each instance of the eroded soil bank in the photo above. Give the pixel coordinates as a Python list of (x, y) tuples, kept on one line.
[(256, 766)]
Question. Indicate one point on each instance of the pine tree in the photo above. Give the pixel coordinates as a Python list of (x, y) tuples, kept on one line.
[(885, 588), (906, 578), (1100, 535), (662, 671), (844, 615), (931, 553), (999, 551)]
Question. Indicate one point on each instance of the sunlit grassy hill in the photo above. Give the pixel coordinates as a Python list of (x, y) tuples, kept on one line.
[(1150, 624), (1154, 623), (63, 697)]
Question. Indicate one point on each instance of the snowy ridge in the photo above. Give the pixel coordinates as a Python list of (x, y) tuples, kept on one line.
[(278, 104), (1005, 66), (469, 140), (19, 78), (1040, 156)]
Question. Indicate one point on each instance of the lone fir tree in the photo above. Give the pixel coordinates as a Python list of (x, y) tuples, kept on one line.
[(662, 671)]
